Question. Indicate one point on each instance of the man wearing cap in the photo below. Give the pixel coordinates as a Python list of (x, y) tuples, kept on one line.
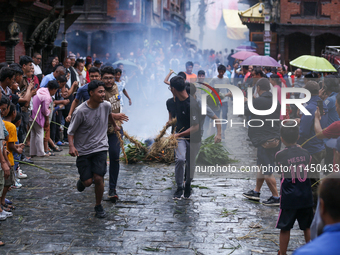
[(73, 72), (97, 63)]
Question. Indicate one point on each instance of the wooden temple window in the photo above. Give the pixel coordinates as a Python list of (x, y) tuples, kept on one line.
[(310, 8)]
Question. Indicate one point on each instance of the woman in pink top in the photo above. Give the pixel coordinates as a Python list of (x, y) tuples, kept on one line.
[(43, 98)]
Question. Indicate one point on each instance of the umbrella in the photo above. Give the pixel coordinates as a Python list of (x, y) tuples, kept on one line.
[(245, 48), (261, 61), (251, 44), (313, 63), (127, 64), (243, 55)]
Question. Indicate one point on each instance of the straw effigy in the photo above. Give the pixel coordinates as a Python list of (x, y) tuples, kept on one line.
[(136, 151), (161, 151), (121, 141)]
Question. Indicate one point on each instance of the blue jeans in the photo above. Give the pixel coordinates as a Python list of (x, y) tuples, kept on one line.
[(114, 152)]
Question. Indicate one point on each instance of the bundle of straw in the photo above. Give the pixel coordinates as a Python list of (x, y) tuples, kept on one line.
[(136, 151), (162, 150), (133, 140), (121, 141), (163, 131)]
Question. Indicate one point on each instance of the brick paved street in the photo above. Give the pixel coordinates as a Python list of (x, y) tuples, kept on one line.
[(52, 217)]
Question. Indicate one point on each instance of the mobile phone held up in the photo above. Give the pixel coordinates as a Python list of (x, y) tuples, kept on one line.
[(320, 105)]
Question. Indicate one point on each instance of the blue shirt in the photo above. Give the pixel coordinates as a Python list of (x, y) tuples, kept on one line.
[(307, 127), (332, 113), (46, 79), (326, 244), (83, 94)]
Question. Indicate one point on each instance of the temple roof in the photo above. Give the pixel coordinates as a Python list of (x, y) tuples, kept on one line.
[(253, 14)]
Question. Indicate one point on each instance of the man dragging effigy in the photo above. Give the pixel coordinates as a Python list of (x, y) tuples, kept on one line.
[(87, 135), (188, 135)]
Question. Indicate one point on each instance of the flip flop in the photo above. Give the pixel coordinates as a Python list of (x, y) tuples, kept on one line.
[(2, 243), (12, 207)]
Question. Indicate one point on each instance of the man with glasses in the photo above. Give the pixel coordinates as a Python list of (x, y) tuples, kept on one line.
[(36, 63), (112, 95)]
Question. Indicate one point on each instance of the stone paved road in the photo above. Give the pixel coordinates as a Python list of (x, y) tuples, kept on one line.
[(52, 217)]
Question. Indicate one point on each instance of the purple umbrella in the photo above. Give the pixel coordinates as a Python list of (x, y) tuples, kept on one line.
[(261, 61), (243, 55), (245, 48)]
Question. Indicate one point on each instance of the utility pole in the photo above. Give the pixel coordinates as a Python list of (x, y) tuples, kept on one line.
[(201, 20), (267, 34)]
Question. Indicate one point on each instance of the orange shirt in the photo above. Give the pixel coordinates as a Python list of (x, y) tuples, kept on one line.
[(191, 77)]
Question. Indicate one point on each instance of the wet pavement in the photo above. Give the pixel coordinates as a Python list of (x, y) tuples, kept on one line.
[(52, 217)]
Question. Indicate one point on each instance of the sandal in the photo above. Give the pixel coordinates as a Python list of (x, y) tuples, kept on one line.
[(12, 207), (49, 153), (2, 243), (57, 149), (6, 209)]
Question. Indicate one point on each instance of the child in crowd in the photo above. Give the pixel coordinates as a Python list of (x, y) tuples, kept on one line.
[(18, 172), (296, 201), (121, 88), (11, 147)]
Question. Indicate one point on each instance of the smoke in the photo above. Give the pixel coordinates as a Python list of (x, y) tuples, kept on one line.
[(154, 52)]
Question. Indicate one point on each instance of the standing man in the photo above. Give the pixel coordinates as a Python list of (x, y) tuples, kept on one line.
[(266, 140), (191, 77), (82, 93), (53, 76), (328, 93), (298, 81), (36, 63), (222, 79), (112, 95), (188, 134), (88, 141)]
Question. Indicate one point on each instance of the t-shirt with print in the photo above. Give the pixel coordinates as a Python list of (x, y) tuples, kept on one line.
[(89, 128), (296, 191), (111, 95), (188, 114), (12, 130)]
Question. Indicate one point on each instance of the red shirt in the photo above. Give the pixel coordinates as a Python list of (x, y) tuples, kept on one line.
[(333, 130), (36, 81)]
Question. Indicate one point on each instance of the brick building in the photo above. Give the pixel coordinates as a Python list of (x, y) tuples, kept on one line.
[(307, 26), (298, 27), (123, 25), (27, 26)]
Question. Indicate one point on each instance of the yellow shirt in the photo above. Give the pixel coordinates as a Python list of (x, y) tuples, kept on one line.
[(12, 130)]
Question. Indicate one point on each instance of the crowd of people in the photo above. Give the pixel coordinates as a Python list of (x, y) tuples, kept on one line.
[(79, 102), (302, 136)]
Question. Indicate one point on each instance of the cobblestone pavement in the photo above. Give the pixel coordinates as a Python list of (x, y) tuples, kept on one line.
[(52, 217)]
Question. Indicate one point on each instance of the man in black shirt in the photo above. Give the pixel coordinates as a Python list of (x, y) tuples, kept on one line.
[(261, 137), (188, 135)]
